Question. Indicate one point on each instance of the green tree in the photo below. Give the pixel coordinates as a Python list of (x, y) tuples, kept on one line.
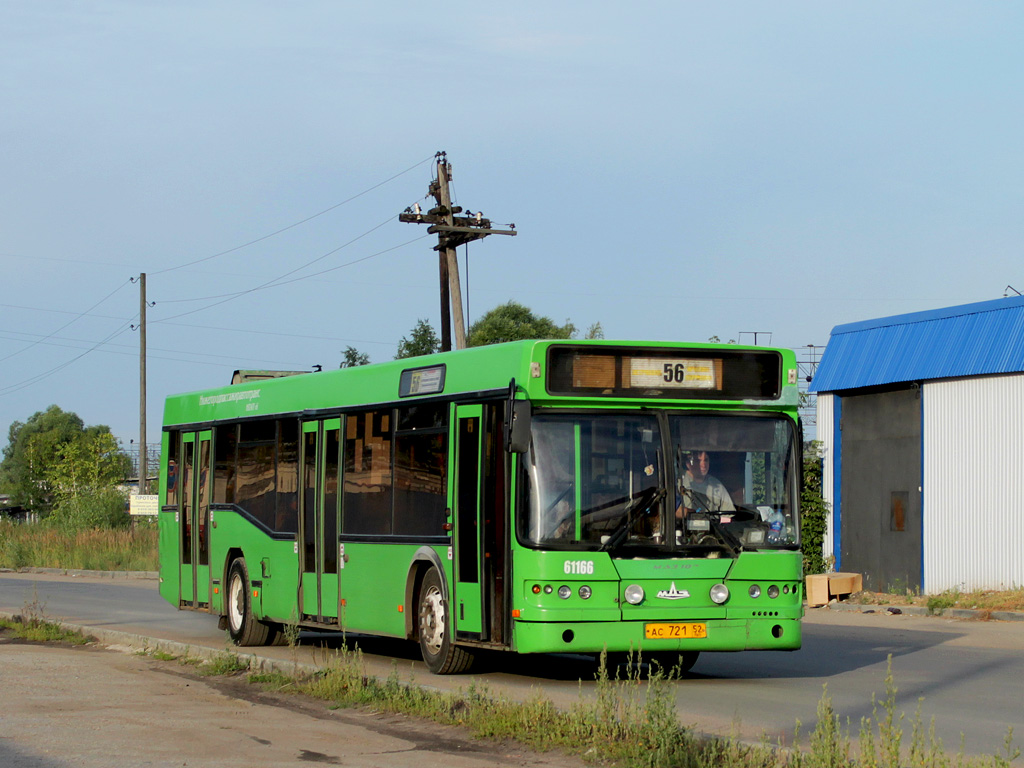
[(813, 510), (85, 482), (33, 447), (512, 322), (422, 340), (352, 357)]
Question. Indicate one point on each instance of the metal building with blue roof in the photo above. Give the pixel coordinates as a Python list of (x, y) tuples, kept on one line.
[(921, 418)]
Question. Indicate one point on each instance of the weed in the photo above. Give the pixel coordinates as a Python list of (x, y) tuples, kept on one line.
[(224, 664), (291, 631), (271, 681), (33, 625), (938, 603)]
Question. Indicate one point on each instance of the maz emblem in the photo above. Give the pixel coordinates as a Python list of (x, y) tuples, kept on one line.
[(673, 593)]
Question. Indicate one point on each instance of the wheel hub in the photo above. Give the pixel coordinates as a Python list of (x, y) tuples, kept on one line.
[(432, 620)]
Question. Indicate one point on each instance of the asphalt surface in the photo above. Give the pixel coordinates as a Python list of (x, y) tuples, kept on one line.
[(967, 672)]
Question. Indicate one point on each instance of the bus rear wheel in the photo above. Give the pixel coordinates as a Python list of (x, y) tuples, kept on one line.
[(440, 654), (243, 626)]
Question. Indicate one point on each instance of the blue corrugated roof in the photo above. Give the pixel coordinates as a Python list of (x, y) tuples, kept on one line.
[(969, 340)]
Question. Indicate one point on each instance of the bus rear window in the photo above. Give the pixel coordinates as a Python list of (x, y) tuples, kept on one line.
[(701, 374)]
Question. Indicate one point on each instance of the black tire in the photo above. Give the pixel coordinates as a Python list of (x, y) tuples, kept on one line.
[(440, 654), (276, 634), (243, 627)]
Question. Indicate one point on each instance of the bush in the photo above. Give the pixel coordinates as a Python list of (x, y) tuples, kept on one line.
[(100, 508), (813, 511)]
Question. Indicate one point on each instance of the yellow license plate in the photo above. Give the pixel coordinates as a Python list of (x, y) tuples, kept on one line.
[(674, 631)]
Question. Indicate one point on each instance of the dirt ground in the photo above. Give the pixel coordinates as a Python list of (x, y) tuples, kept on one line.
[(91, 707)]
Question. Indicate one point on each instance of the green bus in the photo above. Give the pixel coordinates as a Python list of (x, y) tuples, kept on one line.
[(534, 497)]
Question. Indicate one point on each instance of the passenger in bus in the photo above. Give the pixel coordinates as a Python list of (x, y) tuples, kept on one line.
[(697, 478)]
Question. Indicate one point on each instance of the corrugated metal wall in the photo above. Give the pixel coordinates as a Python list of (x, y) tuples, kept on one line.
[(826, 434), (973, 434)]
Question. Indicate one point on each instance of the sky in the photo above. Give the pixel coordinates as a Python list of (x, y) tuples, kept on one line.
[(674, 170)]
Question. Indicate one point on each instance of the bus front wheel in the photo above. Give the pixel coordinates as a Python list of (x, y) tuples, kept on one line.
[(243, 627), (440, 654)]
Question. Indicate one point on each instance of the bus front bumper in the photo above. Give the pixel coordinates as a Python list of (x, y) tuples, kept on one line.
[(776, 634)]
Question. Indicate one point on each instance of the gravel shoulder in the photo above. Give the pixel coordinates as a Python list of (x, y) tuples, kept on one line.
[(91, 707)]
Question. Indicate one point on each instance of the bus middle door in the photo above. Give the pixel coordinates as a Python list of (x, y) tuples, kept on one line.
[(467, 602), (196, 486), (318, 520)]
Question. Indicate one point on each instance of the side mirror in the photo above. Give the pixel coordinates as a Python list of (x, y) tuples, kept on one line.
[(518, 421)]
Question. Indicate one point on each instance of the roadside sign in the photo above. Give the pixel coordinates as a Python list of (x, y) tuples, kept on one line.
[(143, 504)]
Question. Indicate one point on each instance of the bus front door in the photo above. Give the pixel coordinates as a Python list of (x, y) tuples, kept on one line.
[(196, 487), (467, 602), (318, 521)]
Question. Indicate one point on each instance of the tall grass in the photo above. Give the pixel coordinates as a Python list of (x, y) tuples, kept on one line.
[(44, 546), (632, 721)]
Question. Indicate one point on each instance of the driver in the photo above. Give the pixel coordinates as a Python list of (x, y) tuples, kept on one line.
[(697, 478)]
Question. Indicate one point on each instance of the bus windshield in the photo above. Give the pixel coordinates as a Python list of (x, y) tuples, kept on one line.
[(668, 482)]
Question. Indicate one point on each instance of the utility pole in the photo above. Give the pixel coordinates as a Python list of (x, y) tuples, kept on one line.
[(452, 231), (143, 462)]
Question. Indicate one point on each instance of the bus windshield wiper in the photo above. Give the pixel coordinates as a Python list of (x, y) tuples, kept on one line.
[(702, 508), (638, 506)]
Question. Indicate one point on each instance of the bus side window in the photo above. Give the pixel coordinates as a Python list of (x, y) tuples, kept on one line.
[(366, 505), (287, 517), (172, 469)]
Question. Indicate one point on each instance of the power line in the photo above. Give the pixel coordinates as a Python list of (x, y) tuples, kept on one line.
[(272, 282), (275, 284), (69, 322), (55, 342), (12, 388), (296, 224), (203, 327)]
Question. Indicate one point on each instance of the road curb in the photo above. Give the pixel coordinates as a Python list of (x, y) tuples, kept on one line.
[(82, 572), (968, 614), (116, 640)]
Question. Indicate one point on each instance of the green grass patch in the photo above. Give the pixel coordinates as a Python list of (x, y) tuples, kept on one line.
[(39, 545), (224, 664), (272, 681), (41, 631)]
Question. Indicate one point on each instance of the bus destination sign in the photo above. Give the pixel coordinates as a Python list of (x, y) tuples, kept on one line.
[(421, 381), (671, 373)]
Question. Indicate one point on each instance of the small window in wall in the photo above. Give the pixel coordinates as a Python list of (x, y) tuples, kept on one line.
[(366, 508), (898, 507)]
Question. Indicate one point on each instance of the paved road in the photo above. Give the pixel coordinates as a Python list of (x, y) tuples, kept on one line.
[(968, 673)]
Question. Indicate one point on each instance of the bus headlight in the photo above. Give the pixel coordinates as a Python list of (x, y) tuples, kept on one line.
[(585, 592), (719, 594), (634, 594), (773, 591), (754, 591), (564, 591)]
